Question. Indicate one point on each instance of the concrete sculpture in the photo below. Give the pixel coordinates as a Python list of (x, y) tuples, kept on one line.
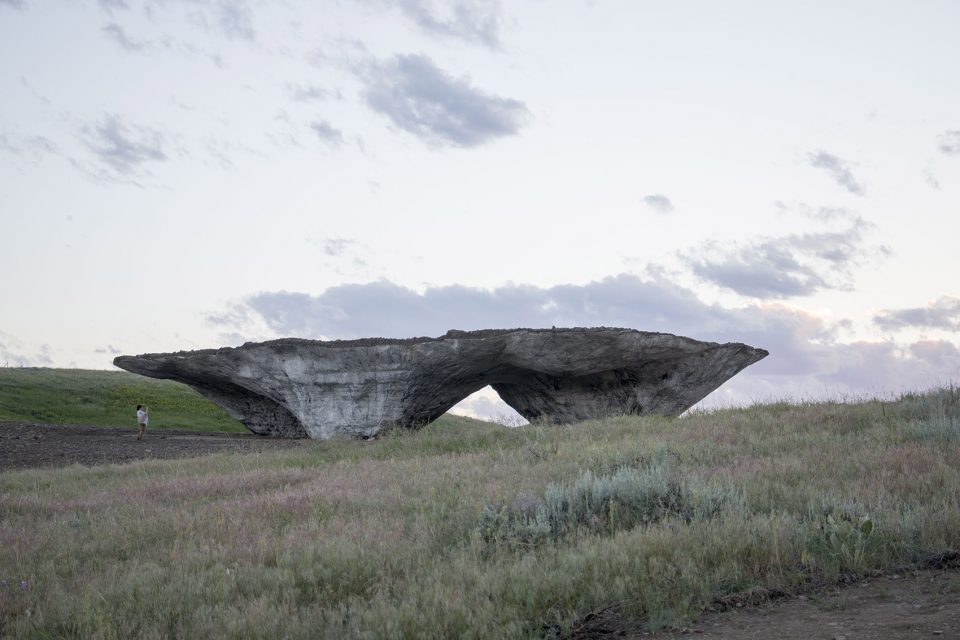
[(310, 388)]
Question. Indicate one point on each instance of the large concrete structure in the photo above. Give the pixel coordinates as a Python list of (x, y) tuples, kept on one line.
[(296, 388)]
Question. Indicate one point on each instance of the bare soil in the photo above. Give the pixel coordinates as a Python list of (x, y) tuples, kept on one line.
[(24, 446), (922, 603)]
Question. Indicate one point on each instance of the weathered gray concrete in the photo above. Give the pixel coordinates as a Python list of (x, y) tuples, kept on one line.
[(296, 388)]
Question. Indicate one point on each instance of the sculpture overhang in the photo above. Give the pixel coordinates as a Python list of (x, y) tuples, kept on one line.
[(323, 389)]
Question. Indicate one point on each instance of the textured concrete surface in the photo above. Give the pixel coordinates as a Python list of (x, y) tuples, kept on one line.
[(297, 388)]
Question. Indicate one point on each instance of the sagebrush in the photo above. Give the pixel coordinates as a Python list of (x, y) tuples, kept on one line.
[(467, 529)]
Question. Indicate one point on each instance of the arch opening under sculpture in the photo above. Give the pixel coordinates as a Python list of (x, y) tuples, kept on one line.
[(486, 404)]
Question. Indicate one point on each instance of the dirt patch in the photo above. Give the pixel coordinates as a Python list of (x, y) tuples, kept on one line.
[(910, 604), (24, 446)]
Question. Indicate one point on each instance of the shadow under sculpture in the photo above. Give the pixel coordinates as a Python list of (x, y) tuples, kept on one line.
[(355, 388)]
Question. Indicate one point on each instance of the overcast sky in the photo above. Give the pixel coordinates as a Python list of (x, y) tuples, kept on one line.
[(180, 174)]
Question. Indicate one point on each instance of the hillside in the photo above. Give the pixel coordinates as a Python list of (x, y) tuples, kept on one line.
[(105, 399), (473, 530)]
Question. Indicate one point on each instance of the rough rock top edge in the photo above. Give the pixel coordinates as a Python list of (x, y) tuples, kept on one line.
[(452, 334)]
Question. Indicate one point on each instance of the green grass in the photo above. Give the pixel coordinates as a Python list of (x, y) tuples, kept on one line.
[(469, 529), (105, 399)]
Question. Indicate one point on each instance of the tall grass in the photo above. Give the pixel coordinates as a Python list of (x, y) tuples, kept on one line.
[(105, 399), (466, 529)]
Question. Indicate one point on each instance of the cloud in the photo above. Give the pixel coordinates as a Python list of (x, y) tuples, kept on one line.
[(327, 133), (36, 94), (931, 179), (476, 21), (345, 256), (941, 353), (118, 35), (123, 147), (109, 349), (838, 170), (385, 308), (826, 215), (659, 203), (949, 142), (16, 4), (32, 149), (806, 356), (886, 367), (336, 246), (236, 20), (765, 270), (110, 5), (784, 267), (424, 100), (943, 313), (233, 18), (13, 353), (310, 93)]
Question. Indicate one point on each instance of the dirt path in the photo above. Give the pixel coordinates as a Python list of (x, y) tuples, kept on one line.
[(908, 605), (24, 446)]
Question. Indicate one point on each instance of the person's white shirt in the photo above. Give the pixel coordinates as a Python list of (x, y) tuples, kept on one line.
[(142, 416)]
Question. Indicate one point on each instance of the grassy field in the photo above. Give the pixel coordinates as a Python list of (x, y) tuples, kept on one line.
[(105, 399), (473, 530)]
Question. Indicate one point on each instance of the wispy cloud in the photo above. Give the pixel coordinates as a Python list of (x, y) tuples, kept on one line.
[(345, 257), (659, 203), (422, 99), (109, 350), (200, 13), (33, 91), (16, 4), (118, 35), (826, 215), (233, 18), (311, 93), (111, 5), (786, 266), (943, 313), (30, 149), (949, 142), (123, 147), (236, 19), (335, 247), (327, 133), (838, 170), (473, 21), (13, 353)]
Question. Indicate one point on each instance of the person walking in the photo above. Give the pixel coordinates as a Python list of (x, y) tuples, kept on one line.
[(143, 417)]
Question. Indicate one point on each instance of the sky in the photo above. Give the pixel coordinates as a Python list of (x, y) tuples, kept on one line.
[(184, 174)]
